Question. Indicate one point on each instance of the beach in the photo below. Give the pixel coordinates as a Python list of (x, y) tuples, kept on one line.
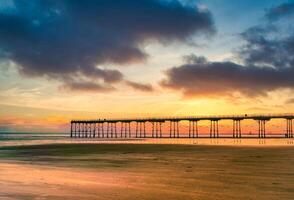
[(132, 170), (146, 100)]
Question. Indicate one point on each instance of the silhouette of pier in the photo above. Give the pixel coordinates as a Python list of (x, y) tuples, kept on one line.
[(136, 127)]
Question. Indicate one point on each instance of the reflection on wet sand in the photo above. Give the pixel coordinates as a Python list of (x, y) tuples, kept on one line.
[(184, 141), (147, 169)]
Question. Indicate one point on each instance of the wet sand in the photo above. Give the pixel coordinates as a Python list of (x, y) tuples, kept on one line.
[(146, 171), (268, 142)]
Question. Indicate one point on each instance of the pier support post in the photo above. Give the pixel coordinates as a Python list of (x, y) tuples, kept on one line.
[(79, 129), (137, 129), (170, 129), (140, 129), (102, 129), (83, 130), (111, 130), (88, 127), (99, 132), (91, 129), (144, 129), (261, 128), (193, 128), (121, 129), (237, 128), (128, 130), (71, 129), (157, 129), (289, 128), (160, 130), (174, 129), (107, 129), (214, 133), (178, 131), (125, 130), (153, 129), (115, 131), (94, 129), (88, 133), (112, 133), (76, 130)]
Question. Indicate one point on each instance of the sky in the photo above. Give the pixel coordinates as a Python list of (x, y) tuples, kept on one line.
[(71, 59)]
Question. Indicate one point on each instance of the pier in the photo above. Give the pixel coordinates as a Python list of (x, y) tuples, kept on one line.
[(136, 127)]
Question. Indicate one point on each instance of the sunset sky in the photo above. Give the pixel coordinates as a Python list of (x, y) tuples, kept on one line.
[(72, 59)]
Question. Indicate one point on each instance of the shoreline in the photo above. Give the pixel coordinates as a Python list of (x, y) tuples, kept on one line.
[(249, 142)]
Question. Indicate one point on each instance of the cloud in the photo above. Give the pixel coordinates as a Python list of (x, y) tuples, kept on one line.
[(267, 64), (283, 10), (204, 78), (290, 101), (85, 86), (108, 75), (60, 39), (264, 47), (140, 86)]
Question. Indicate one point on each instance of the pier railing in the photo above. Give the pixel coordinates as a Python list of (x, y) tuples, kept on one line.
[(196, 117)]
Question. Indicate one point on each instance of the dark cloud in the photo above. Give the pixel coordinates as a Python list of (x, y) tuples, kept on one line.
[(62, 38), (267, 64), (280, 11), (264, 47), (86, 86), (204, 78), (290, 101), (108, 75), (140, 86)]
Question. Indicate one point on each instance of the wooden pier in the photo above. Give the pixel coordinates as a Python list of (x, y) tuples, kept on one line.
[(136, 127)]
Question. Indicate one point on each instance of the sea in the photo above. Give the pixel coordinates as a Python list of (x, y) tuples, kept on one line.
[(16, 139)]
